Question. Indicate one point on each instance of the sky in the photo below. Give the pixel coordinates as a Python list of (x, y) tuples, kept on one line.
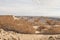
[(30, 7)]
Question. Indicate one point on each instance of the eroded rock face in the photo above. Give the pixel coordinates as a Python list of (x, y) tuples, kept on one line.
[(9, 22)]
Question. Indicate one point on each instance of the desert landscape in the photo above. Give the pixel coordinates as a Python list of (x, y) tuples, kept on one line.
[(29, 28)]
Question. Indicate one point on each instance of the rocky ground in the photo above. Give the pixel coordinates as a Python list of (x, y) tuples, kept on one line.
[(10, 35)]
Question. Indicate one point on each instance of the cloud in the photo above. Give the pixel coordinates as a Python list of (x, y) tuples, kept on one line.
[(27, 7)]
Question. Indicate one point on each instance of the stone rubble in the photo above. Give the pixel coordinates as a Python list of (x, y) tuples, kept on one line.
[(10, 35)]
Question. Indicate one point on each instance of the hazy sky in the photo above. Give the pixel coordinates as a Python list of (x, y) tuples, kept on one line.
[(29, 7)]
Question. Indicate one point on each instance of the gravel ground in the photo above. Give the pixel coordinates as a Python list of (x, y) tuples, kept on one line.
[(10, 35)]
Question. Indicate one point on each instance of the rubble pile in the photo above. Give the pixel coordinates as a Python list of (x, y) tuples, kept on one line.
[(10, 35)]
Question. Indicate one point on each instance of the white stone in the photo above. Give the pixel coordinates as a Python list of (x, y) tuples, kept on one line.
[(37, 31), (35, 27), (15, 18)]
